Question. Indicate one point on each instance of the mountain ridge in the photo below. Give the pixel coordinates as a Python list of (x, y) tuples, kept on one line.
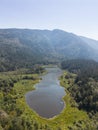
[(25, 47)]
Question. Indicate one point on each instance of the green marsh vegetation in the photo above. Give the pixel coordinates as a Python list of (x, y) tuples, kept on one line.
[(15, 114)]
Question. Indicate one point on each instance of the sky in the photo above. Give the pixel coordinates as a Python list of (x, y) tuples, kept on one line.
[(76, 16)]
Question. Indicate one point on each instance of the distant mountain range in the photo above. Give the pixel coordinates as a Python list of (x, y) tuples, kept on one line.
[(25, 47)]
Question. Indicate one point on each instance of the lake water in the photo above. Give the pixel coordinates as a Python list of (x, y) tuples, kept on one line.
[(47, 100)]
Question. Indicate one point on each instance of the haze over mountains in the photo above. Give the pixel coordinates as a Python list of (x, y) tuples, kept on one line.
[(25, 47)]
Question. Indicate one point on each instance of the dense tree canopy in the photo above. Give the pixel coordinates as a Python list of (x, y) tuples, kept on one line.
[(85, 87)]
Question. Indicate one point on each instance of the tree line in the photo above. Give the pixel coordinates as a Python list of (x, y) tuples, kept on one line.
[(85, 86)]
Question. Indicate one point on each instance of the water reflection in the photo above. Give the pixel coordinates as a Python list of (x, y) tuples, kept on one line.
[(46, 100)]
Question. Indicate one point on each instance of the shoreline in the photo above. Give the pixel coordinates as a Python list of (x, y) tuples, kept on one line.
[(61, 99)]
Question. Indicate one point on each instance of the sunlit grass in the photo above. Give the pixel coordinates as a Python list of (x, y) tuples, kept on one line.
[(70, 117)]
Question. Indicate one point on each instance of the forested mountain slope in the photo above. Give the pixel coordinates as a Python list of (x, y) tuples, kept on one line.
[(25, 47), (91, 42)]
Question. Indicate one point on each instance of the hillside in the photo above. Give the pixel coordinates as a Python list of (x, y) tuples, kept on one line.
[(24, 47), (91, 42)]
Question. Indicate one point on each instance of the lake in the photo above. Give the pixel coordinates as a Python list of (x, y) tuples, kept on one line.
[(46, 100)]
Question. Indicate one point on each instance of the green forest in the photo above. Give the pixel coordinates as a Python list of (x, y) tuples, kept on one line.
[(80, 80), (84, 89)]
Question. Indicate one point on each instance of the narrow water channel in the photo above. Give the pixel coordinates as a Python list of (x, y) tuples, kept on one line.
[(47, 100)]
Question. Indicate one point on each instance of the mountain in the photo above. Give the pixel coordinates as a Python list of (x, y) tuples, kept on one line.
[(26, 47), (91, 42)]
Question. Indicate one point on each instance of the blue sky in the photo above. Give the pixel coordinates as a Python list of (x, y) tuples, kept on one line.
[(77, 16)]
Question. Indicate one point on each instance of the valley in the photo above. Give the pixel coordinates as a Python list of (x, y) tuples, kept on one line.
[(16, 114), (35, 95)]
